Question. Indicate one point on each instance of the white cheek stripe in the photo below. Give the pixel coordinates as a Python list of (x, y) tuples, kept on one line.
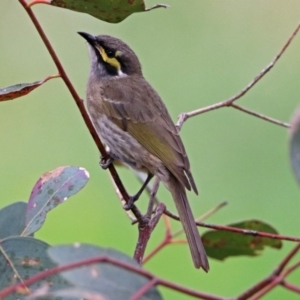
[(121, 74)]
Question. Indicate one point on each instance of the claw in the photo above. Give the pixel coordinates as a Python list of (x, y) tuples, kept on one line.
[(130, 202), (105, 162)]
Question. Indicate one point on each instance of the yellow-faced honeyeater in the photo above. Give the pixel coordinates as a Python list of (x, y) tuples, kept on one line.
[(134, 123)]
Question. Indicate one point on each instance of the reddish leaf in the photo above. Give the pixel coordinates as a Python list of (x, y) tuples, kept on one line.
[(52, 189), (21, 89)]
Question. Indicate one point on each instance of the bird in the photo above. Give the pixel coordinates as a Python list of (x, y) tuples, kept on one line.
[(134, 123)]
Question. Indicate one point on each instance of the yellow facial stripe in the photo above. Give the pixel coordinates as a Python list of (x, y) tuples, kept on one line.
[(110, 60)]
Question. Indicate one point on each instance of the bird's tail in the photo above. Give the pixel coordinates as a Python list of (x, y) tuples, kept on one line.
[(188, 222)]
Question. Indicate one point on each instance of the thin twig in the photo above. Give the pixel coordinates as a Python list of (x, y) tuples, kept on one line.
[(291, 287), (144, 289), (212, 211), (157, 6), (203, 217), (250, 232), (260, 116), (286, 260), (276, 280), (238, 230), (184, 116), (268, 280), (167, 240)]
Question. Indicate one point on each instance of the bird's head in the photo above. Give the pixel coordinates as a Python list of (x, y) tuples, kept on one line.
[(111, 57)]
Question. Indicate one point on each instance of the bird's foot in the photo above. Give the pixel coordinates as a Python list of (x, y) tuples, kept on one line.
[(135, 197), (131, 201), (105, 162)]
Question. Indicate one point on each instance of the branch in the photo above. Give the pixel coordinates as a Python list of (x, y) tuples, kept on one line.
[(286, 260), (238, 230), (260, 116), (291, 287), (272, 280), (80, 104), (229, 102), (277, 280), (145, 231), (104, 259)]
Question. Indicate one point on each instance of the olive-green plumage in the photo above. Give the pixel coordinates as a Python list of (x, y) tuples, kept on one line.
[(134, 123)]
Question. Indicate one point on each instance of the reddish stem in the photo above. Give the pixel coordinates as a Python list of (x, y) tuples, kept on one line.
[(272, 280), (286, 260), (239, 230), (33, 2), (145, 231), (291, 287), (250, 232), (142, 291), (167, 240), (104, 259)]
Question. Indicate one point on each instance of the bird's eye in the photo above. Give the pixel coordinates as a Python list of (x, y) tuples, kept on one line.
[(110, 53)]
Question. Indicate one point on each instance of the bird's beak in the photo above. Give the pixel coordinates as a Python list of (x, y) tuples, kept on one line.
[(88, 37)]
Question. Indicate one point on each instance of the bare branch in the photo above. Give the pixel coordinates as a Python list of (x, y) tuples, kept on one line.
[(272, 280), (238, 230), (261, 116), (286, 260), (184, 116), (277, 280)]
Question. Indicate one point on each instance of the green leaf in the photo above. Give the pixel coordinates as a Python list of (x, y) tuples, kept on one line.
[(21, 89), (113, 11), (23, 257), (12, 219), (223, 244), (51, 189), (111, 281), (295, 144)]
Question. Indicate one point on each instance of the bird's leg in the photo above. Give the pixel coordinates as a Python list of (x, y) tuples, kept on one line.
[(106, 161), (135, 197)]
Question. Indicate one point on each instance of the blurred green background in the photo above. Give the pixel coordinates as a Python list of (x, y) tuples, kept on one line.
[(195, 53)]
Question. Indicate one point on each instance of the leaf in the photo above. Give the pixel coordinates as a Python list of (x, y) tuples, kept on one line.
[(23, 257), (51, 189), (111, 281), (113, 11), (295, 144), (22, 89), (223, 244), (12, 219)]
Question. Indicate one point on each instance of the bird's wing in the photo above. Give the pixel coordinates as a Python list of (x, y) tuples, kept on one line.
[(137, 108)]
